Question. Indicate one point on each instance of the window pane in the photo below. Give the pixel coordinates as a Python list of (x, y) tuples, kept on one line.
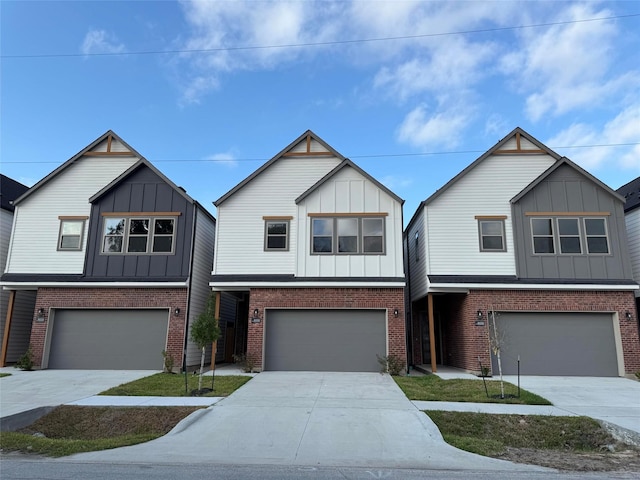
[(114, 226), (492, 243), (491, 228), (139, 226), (542, 226), (70, 241), (597, 245), (276, 228), (373, 245), (112, 244), (164, 227), (322, 244), (595, 226), (372, 227), (348, 244), (71, 228), (543, 245), (348, 227), (570, 245), (279, 242), (162, 244), (568, 226), (137, 244), (323, 226)]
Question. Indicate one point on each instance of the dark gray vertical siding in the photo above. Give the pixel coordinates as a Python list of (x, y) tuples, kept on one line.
[(567, 190), (142, 191)]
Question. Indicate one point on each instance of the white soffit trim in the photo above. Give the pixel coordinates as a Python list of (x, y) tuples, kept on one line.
[(32, 285), (222, 286), (457, 287)]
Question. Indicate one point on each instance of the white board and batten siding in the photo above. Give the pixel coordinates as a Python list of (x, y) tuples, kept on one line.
[(240, 231), (485, 190), (205, 230), (632, 221), (416, 268), (350, 192), (35, 234)]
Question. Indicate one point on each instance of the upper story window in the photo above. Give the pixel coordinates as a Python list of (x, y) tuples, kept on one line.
[(417, 246), (138, 235), (492, 234), (71, 230), (568, 236), (347, 235), (276, 234)]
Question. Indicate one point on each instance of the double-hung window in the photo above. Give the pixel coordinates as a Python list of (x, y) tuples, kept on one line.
[(276, 234), (138, 235), (492, 236), (543, 237), (596, 234), (71, 230), (568, 235), (347, 235)]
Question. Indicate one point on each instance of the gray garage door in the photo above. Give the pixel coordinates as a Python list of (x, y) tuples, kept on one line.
[(558, 344), (108, 339), (325, 340)]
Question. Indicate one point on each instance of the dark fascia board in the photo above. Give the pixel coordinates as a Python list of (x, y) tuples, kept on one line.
[(631, 192), (10, 189), (74, 159), (580, 170), (79, 278), (348, 163), (471, 166), (510, 279), (275, 159)]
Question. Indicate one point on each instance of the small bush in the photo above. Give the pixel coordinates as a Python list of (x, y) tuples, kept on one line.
[(391, 364), (246, 363), (25, 362), (168, 361)]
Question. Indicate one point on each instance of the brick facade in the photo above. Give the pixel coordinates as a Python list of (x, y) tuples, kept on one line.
[(119, 298), (327, 298), (464, 342)]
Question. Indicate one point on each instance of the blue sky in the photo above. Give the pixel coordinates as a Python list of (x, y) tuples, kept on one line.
[(436, 85)]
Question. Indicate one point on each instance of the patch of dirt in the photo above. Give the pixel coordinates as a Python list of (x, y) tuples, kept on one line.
[(89, 423), (623, 459)]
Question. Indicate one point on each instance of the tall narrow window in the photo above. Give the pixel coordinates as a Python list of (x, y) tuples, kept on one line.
[(113, 235), (322, 235), (70, 237), (347, 235), (276, 235), (569, 235), (596, 233), (491, 235), (417, 246), (373, 235), (138, 235), (163, 233), (542, 230)]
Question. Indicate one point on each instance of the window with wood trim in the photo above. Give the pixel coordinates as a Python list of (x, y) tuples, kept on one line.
[(543, 236), (138, 235), (568, 235), (492, 236), (347, 235), (596, 235), (70, 235), (276, 235)]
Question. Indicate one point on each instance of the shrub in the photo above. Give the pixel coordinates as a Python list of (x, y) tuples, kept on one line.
[(25, 362), (246, 363), (168, 361), (391, 364)]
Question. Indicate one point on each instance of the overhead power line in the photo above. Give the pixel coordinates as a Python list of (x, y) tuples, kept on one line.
[(363, 156), (317, 44)]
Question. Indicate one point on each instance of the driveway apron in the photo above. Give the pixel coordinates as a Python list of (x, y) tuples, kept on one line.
[(308, 418)]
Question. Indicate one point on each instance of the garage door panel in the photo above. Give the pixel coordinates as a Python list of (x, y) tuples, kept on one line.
[(557, 344), (108, 339), (324, 340)]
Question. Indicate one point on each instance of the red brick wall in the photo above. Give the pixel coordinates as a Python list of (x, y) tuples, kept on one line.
[(112, 298), (357, 298), (465, 342)]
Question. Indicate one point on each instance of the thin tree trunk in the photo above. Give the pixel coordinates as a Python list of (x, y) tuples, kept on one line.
[(201, 369)]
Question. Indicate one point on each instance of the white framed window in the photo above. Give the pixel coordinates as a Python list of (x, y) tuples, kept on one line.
[(350, 235), (596, 235), (543, 237), (492, 236), (569, 235), (276, 235), (70, 234), (138, 235)]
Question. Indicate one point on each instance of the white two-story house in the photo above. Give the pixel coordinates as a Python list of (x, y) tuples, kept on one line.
[(525, 240), (311, 246)]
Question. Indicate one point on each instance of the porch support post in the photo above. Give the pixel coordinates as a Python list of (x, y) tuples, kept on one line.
[(7, 328), (432, 334), (214, 345)]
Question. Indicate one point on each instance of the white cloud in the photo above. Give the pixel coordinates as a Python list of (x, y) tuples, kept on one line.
[(422, 128), (101, 41), (624, 128), (393, 182), (226, 158)]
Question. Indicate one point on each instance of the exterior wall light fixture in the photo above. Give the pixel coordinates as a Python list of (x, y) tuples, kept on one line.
[(479, 319), (628, 315), (40, 316), (395, 312), (176, 311)]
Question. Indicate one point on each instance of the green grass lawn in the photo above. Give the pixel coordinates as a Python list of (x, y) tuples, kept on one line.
[(433, 388), (5, 375), (173, 385)]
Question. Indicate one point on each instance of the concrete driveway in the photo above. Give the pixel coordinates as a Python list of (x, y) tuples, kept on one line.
[(612, 399), (23, 391), (308, 418)]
